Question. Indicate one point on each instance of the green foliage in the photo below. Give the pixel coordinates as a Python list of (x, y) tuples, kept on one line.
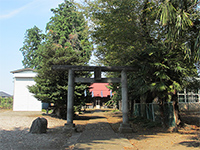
[(180, 20), (155, 37), (66, 43), (68, 28), (110, 103), (115, 110), (114, 100), (6, 103), (30, 49), (49, 111), (77, 108)]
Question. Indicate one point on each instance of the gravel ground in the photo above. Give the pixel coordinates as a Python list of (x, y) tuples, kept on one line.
[(14, 132)]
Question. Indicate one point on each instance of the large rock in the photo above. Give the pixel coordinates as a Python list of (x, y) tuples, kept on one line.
[(39, 126)]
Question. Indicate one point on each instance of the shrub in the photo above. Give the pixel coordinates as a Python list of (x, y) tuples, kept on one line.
[(6, 103)]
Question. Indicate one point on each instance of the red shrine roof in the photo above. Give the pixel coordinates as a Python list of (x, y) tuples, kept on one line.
[(100, 90)]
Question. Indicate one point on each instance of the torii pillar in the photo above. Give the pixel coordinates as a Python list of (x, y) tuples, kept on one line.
[(70, 97), (70, 101), (125, 126)]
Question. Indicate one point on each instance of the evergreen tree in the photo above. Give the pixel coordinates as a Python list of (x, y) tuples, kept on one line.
[(30, 49), (66, 43), (153, 38)]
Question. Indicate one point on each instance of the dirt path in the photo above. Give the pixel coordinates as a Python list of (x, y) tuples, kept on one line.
[(158, 138), (14, 133)]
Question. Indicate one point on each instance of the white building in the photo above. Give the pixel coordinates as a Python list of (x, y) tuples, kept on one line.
[(23, 100)]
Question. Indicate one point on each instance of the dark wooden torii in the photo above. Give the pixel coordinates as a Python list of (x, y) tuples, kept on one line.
[(125, 126)]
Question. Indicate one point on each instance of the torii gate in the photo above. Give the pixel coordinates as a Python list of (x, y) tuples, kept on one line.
[(125, 126)]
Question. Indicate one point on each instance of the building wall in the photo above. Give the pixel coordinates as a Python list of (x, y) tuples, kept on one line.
[(23, 99)]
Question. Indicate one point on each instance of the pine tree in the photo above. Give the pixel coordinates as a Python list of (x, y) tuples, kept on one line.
[(66, 43), (30, 50)]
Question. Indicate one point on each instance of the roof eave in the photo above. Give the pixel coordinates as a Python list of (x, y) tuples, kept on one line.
[(20, 70)]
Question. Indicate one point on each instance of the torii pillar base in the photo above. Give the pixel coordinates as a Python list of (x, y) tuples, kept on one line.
[(125, 128), (70, 127)]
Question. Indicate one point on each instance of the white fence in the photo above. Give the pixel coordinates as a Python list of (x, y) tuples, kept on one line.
[(189, 100), (188, 96)]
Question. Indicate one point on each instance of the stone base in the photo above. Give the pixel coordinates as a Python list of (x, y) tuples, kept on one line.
[(173, 129), (70, 127), (125, 128)]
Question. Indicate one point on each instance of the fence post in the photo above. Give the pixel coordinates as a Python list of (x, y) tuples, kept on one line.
[(146, 105), (153, 112)]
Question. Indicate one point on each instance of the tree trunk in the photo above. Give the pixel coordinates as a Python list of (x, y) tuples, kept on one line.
[(162, 113), (142, 106), (60, 112), (176, 111)]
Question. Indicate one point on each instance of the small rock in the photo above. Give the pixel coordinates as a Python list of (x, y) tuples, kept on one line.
[(39, 126)]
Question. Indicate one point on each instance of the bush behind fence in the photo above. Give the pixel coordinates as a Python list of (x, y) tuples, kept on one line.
[(152, 111)]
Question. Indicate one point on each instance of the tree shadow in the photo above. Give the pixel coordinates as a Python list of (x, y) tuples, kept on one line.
[(99, 135), (193, 141), (102, 133), (85, 115), (19, 138), (190, 143), (191, 119), (144, 130)]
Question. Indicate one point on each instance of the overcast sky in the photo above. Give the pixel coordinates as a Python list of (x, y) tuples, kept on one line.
[(16, 16)]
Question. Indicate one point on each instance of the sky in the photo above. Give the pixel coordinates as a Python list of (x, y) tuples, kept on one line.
[(16, 16)]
